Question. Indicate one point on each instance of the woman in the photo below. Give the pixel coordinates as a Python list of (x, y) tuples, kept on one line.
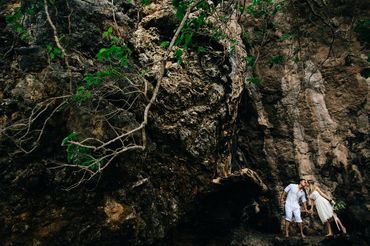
[(323, 207)]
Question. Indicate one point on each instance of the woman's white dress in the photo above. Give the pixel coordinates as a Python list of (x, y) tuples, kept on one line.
[(323, 206)]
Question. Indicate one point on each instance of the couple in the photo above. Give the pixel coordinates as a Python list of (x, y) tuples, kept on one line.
[(296, 192)]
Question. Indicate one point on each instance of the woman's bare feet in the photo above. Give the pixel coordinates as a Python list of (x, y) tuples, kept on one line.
[(328, 235), (303, 236)]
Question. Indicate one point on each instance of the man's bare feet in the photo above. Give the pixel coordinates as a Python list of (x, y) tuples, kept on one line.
[(329, 235), (303, 236)]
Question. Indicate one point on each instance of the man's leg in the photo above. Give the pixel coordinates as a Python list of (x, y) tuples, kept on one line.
[(287, 223), (301, 228), (288, 219), (298, 219)]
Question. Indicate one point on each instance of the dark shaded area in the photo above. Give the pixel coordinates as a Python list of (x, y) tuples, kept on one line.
[(216, 214)]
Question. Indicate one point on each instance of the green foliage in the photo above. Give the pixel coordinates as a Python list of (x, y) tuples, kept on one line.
[(97, 78), (253, 80), (262, 8), (201, 49), (181, 7), (232, 46), (82, 95), (339, 205), (278, 59), (250, 60), (222, 18), (108, 33), (363, 31), (178, 55), (145, 2), (53, 52), (114, 53), (286, 36), (14, 21), (197, 24), (116, 56), (165, 44), (218, 35), (79, 155)]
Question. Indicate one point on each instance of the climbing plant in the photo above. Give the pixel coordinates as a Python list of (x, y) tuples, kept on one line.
[(15, 19), (112, 88)]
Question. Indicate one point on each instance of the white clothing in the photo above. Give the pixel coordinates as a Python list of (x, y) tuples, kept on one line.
[(293, 214), (292, 207), (323, 207)]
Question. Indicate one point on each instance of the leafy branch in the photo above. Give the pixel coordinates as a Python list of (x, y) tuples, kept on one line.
[(92, 155)]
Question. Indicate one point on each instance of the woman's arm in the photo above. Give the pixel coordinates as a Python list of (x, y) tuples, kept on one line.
[(323, 194), (312, 205)]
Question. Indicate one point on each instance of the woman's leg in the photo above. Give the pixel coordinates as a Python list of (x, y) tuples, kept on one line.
[(344, 230), (328, 226)]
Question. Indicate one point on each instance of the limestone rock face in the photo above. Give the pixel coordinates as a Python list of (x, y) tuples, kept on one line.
[(220, 149)]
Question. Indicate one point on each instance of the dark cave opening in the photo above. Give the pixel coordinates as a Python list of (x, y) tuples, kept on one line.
[(216, 214)]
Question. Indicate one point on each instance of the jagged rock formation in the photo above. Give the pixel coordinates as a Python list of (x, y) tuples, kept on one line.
[(217, 145)]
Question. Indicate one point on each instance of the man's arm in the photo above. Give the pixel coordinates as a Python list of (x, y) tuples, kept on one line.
[(282, 198), (305, 206), (304, 198)]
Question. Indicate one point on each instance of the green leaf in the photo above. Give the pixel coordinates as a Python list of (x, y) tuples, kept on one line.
[(178, 55), (101, 54), (57, 52), (278, 59), (284, 37), (49, 47), (201, 49), (188, 37), (253, 80), (165, 44), (71, 137), (250, 60)]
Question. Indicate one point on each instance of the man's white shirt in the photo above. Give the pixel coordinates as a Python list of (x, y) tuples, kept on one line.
[(294, 194)]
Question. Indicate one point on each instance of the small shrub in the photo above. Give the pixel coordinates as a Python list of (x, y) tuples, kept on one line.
[(165, 44), (78, 155), (82, 95), (253, 80), (339, 205), (278, 59), (53, 52)]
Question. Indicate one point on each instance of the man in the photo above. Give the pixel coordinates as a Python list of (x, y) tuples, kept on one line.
[(295, 193)]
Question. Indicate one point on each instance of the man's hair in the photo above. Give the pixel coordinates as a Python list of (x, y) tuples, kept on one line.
[(304, 190)]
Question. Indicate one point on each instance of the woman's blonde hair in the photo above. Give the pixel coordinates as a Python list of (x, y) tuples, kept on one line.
[(311, 186)]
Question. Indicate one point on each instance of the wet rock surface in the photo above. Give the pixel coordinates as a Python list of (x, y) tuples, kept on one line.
[(308, 117)]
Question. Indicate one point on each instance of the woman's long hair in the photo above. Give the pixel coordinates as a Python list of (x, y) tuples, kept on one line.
[(311, 186)]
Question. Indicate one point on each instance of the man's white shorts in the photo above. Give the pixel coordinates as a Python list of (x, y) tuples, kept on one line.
[(293, 212)]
